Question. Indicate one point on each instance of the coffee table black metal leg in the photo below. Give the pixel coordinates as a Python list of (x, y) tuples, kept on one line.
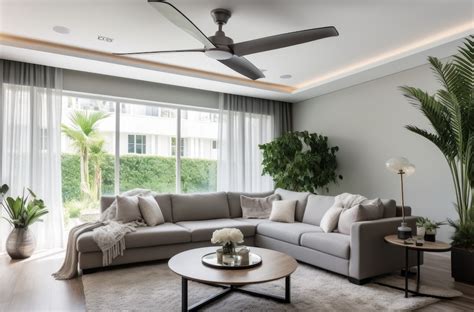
[(288, 289), (184, 294), (406, 272), (418, 272)]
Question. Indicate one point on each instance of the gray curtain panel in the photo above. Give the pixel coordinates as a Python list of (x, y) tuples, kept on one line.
[(281, 111), (244, 124)]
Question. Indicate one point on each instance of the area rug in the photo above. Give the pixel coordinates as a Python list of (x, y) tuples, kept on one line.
[(153, 287)]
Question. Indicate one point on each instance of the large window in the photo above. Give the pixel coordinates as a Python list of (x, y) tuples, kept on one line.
[(198, 150), (111, 146)]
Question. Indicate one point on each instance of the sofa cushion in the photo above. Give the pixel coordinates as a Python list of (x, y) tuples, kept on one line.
[(252, 221), (335, 244), (164, 201), (202, 230), (287, 232), (163, 234), (234, 201), (300, 197), (390, 206), (316, 207), (190, 207)]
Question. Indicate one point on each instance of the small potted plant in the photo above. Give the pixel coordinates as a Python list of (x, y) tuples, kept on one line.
[(429, 227), (21, 213)]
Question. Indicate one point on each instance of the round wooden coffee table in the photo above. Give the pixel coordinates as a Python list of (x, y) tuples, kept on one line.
[(427, 246), (275, 265)]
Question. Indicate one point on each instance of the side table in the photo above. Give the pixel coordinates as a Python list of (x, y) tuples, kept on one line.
[(427, 246)]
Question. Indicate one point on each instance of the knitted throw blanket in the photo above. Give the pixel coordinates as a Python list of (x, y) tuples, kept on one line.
[(108, 234)]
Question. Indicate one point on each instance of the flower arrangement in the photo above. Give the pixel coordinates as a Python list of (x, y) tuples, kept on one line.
[(228, 238)]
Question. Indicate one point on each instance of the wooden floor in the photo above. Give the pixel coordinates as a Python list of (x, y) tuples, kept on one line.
[(28, 286)]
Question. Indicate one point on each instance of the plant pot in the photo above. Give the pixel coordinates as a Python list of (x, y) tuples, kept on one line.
[(430, 235), (462, 268), (20, 243)]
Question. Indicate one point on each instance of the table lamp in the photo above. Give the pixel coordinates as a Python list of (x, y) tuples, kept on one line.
[(401, 166)]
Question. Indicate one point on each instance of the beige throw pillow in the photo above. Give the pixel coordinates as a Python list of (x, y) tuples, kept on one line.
[(331, 217), (283, 211), (127, 209), (257, 208), (150, 210)]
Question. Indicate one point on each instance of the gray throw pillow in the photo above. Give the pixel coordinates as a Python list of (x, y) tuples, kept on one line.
[(257, 208), (127, 209), (150, 210), (283, 211), (362, 212), (373, 208)]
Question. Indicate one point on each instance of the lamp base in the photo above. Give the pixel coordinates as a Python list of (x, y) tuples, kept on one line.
[(404, 231)]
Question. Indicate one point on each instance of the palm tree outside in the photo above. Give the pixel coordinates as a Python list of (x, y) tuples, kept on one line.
[(87, 140)]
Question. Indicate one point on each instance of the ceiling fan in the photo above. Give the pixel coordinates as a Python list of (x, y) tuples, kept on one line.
[(223, 49)]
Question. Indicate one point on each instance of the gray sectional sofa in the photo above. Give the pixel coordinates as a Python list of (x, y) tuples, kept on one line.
[(192, 218)]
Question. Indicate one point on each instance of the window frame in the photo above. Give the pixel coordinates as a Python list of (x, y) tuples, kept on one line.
[(159, 105)]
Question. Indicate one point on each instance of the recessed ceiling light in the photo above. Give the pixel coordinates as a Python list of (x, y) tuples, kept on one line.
[(61, 30), (287, 76)]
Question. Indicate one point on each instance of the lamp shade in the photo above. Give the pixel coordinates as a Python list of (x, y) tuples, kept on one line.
[(400, 163)]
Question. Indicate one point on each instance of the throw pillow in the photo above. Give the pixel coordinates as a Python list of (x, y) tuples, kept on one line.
[(374, 208), (283, 211), (257, 208), (127, 209), (111, 212), (300, 197), (331, 217), (150, 210)]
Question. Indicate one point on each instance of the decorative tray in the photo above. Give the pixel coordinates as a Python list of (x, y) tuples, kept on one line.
[(210, 260)]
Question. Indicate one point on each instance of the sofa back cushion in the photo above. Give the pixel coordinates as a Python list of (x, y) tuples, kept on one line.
[(190, 207), (234, 201), (390, 208), (316, 207), (300, 197), (164, 201)]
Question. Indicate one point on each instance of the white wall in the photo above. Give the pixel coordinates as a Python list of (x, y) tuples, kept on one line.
[(367, 122)]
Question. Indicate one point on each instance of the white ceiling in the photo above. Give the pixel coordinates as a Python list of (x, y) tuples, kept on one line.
[(377, 37)]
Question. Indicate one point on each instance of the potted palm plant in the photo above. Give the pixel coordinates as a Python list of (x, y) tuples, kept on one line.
[(21, 213), (451, 114)]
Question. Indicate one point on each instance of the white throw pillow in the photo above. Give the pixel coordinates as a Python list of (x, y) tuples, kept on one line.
[(283, 211), (330, 219), (150, 210), (127, 209)]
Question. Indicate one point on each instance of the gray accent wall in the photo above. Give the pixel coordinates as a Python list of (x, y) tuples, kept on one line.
[(367, 122), (136, 89)]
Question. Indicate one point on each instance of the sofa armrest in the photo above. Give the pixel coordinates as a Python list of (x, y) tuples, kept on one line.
[(370, 254)]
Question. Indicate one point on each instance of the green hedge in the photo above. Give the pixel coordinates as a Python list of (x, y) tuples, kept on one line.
[(151, 172)]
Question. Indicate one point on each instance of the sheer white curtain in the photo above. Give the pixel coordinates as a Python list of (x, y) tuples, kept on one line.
[(30, 152), (244, 123)]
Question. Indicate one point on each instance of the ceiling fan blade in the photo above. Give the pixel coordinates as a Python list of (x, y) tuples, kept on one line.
[(158, 52), (243, 66), (282, 40), (176, 17)]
